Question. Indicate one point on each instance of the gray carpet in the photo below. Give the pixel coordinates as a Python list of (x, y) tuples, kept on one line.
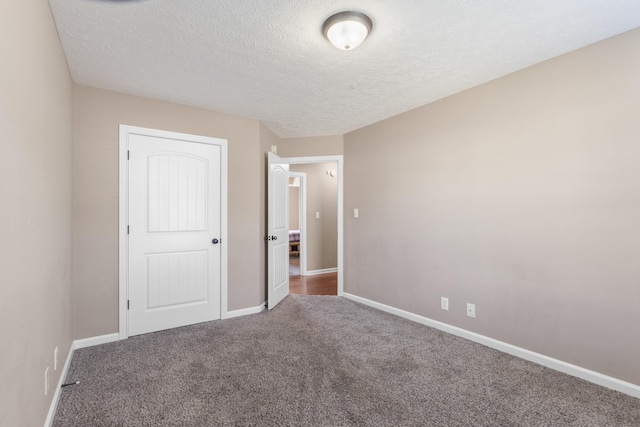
[(324, 361)]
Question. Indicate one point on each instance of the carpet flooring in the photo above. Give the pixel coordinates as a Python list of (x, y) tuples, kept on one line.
[(324, 361)]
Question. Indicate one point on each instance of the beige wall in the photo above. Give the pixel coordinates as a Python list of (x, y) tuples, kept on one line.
[(311, 146), (521, 196), (35, 189), (294, 208), (322, 197), (97, 115)]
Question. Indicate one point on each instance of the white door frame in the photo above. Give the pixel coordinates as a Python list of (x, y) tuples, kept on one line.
[(340, 165), (123, 222), (302, 219)]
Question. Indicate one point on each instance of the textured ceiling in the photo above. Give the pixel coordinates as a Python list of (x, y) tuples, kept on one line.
[(268, 60)]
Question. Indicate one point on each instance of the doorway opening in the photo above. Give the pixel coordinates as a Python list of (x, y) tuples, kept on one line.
[(313, 226)]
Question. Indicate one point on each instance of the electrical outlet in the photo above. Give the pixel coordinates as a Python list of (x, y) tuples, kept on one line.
[(471, 310), (55, 358), (46, 381), (444, 303)]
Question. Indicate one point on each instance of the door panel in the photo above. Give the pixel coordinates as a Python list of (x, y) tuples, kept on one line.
[(174, 215), (177, 193), (278, 230), (176, 278)]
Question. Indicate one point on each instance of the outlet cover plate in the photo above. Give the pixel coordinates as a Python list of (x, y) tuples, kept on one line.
[(444, 303), (471, 310)]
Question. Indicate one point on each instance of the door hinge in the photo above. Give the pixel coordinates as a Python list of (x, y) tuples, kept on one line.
[(128, 154), (127, 304), (127, 229)]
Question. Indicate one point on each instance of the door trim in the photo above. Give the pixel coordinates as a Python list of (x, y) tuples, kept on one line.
[(340, 165), (123, 219), (302, 219)]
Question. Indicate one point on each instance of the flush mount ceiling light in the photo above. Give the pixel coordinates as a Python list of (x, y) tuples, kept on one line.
[(346, 30)]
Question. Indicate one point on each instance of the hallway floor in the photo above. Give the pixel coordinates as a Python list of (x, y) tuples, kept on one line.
[(321, 284)]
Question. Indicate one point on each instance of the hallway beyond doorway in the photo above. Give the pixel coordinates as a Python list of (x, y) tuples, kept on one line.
[(321, 284)]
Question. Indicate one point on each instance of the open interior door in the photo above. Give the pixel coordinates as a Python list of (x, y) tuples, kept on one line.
[(278, 230)]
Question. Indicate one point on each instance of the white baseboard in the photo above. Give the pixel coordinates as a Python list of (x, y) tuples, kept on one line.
[(101, 339), (56, 394), (541, 359), (245, 311), (82, 343), (323, 271)]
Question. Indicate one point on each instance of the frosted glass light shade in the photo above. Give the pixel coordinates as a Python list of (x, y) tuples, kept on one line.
[(347, 30)]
